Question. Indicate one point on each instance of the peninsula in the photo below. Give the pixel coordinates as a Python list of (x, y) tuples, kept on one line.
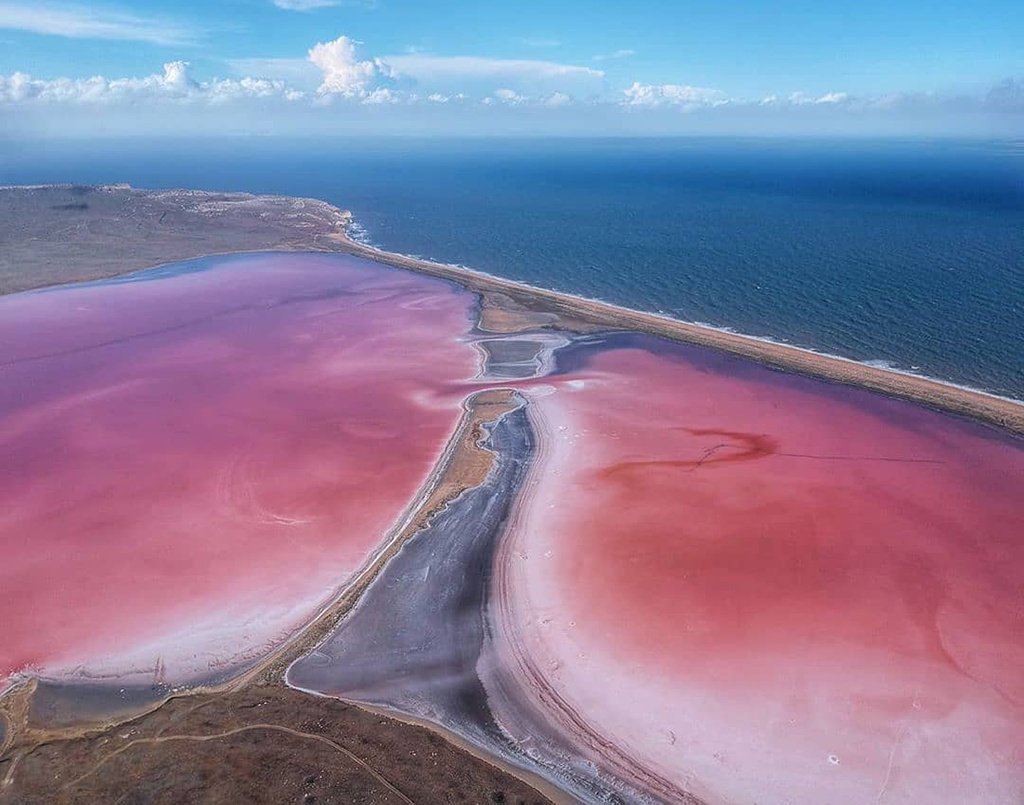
[(312, 519)]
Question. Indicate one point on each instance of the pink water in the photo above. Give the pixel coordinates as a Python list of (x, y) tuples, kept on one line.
[(193, 465), (749, 585), (766, 589)]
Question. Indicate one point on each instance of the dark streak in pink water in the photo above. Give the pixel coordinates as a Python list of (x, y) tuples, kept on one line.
[(191, 465), (771, 589)]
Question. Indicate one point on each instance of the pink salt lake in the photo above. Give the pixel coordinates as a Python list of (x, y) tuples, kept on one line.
[(195, 459)]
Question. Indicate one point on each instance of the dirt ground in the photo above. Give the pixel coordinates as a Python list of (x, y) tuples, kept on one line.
[(66, 233), (263, 744)]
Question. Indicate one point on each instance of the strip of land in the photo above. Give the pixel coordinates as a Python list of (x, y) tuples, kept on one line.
[(58, 234), (55, 234), (577, 313), (254, 738)]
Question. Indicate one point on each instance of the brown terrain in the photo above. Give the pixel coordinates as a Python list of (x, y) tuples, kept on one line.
[(263, 743), (56, 234), (66, 233), (255, 739)]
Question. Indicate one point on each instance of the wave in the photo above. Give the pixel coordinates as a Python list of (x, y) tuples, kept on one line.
[(361, 235)]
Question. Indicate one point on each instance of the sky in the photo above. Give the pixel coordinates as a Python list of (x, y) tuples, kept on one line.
[(933, 67)]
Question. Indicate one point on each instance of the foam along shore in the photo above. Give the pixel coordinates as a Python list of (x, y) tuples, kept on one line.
[(120, 229), (1003, 412)]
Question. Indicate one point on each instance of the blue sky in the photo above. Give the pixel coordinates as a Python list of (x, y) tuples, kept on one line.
[(790, 66)]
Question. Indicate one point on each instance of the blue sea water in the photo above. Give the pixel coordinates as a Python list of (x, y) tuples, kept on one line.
[(905, 252)]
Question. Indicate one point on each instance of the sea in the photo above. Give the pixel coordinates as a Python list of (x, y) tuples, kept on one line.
[(902, 253)]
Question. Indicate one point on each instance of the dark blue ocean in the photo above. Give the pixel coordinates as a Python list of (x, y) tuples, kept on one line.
[(904, 252)]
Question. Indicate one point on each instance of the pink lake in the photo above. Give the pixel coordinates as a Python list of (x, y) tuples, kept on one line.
[(199, 457), (757, 587)]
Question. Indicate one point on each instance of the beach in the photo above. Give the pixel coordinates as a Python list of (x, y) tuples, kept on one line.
[(427, 487), (1002, 412), (242, 222)]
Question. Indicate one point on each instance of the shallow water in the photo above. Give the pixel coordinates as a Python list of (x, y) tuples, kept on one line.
[(909, 253), (196, 458), (816, 585), (761, 587)]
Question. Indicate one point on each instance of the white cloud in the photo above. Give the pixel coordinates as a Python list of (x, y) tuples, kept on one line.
[(383, 95), (334, 88), (343, 74), (802, 99), (91, 22), (557, 99), (299, 72), (335, 68), (174, 84), (623, 53), (683, 96), (509, 96), (833, 97)]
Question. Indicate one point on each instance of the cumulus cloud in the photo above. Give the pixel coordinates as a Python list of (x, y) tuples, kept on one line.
[(297, 72), (173, 84), (383, 95), (802, 99), (557, 99), (509, 96), (682, 96), (450, 92), (343, 73)]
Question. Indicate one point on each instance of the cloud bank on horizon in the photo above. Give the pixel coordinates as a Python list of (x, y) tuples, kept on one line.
[(338, 85)]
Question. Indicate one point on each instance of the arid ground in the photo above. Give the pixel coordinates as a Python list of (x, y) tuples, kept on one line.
[(293, 526)]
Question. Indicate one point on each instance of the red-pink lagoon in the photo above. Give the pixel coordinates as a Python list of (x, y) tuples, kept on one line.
[(765, 588), (196, 458), (753, 586)]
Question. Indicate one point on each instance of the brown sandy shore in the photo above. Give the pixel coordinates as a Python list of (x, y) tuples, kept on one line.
[(56, 234), (213, 740), (252, 738), (570, 310)]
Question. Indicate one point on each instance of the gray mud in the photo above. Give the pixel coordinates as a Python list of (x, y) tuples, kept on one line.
[(70, 704), (414, 642), (519, 356)]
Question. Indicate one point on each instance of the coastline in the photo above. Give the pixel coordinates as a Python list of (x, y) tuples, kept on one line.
[(524, 312), (1001, 412), (175, 225)]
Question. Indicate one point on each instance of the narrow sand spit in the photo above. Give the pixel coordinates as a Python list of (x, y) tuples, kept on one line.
[(633, 559)]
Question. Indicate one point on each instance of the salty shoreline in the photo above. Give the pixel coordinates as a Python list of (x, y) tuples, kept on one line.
[(109, 225), (516, 329), (1002, 412)]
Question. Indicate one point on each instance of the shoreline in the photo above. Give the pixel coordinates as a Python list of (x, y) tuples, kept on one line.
[(174, 225), (1005, 413), (502, 308)]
